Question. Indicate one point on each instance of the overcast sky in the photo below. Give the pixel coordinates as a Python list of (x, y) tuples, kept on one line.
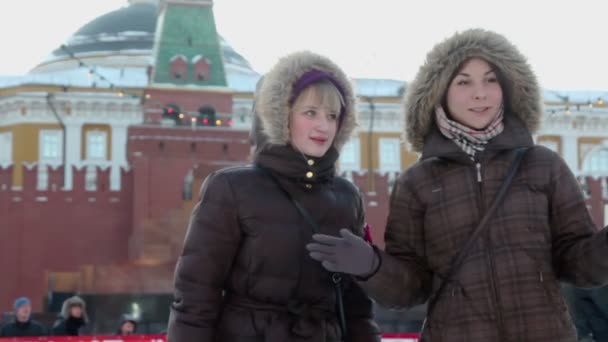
[(565, 41)]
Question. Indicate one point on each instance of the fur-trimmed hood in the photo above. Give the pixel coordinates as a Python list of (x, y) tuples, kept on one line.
[(443, 61), (72, 301), (272, 102)]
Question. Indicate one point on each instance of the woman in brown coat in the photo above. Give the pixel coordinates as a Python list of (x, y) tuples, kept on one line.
[(244, 273), (474, 102)]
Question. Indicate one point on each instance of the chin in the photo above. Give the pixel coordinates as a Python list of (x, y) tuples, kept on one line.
[(479, 125), (317, 153)]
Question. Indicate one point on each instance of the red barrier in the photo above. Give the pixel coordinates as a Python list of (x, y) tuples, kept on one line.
[(158, 338), (95, 338)]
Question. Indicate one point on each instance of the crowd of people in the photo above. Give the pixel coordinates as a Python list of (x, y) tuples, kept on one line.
[(72, 321)]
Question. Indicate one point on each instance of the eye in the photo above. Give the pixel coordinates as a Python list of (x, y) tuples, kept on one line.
[(492, 79), (462, 82), (310, 112), (333, 116)]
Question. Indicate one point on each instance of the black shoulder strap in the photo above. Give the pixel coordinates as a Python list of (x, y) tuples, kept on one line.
[(313, 224), (336, 277), (481, 227)]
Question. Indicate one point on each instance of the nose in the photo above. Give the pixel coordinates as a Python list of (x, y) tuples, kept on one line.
[(480, 93), (322, 123)]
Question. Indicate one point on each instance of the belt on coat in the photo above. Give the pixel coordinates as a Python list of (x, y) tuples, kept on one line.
[(301, 319)]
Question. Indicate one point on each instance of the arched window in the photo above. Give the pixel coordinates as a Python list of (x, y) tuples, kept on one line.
[(179, 67), (201, 68), (597, 160)]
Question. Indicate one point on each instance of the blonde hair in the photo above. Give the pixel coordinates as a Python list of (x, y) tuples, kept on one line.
[(324, 93)]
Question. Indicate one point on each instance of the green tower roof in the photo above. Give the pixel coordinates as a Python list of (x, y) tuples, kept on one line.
[(187, 29)]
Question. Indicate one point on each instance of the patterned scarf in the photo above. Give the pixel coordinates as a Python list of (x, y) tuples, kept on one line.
[(470, 140)]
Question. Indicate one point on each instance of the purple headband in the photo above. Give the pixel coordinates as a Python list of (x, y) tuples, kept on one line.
[(314, 76)]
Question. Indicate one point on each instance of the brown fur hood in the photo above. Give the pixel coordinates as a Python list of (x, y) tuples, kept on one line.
[(73, 301), (442, 62), (272, 102)]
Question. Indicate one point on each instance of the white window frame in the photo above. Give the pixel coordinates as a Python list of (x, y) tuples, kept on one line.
[(91, 145), (48, 136), (90, 178), (350, 156), (45, 136), (6, 148), (596, 161), (389, 162)]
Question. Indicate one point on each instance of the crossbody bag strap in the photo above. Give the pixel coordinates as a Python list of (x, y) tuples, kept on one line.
[(335, 277), (483, 224)]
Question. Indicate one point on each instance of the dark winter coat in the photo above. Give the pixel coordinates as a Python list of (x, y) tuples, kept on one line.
[(244, 273), (508, 287), (19, 329), (70, 326)]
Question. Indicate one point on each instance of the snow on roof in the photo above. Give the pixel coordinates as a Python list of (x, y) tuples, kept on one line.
[(240, 79), (119, 77), (182, 57), (373, 87), (197, 58), (577, 96)]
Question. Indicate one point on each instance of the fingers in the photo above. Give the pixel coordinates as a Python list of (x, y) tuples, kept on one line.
[(327, 239), (349, 236), (317, 247), (321, 257), (330, 266)]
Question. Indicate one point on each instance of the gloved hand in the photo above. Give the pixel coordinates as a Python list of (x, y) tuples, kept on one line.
[(346, 254)]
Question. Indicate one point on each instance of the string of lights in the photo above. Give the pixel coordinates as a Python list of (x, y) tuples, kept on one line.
[(92, 71), (205, 116)]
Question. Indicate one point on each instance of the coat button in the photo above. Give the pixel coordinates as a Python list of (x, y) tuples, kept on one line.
[(311, 162), (308, 186), (309, 174)]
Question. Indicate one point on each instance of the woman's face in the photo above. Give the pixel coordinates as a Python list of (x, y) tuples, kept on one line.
[(474, 95), (76, 311), (312, 124)]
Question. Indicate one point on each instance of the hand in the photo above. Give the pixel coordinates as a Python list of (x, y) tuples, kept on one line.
[(346, 254)]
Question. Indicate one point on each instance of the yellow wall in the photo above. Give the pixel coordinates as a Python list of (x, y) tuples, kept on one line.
[(407, 157), (25, 145), (83, 139), (552, 138)]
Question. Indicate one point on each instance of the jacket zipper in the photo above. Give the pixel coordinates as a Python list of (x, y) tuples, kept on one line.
[(492, 263)]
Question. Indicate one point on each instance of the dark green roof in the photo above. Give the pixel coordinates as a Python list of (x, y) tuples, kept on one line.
[(189, 31), (128, 28)]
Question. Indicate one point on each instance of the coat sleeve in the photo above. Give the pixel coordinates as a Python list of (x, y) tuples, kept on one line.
[(58, 328), (402, 281), (580, 251), (205, 263), (358, 307)]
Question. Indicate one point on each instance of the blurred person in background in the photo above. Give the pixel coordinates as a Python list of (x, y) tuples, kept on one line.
[(23, 324), (73, 318), (128, 325), (589, 311)]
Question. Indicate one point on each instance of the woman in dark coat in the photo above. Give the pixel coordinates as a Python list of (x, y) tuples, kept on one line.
[(244, 274)]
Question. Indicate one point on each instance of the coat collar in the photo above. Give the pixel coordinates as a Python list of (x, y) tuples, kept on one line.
[(286, 162), (515, 134)]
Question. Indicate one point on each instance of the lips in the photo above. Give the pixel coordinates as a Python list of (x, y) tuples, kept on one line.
[(479, 110), (320, 141)]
